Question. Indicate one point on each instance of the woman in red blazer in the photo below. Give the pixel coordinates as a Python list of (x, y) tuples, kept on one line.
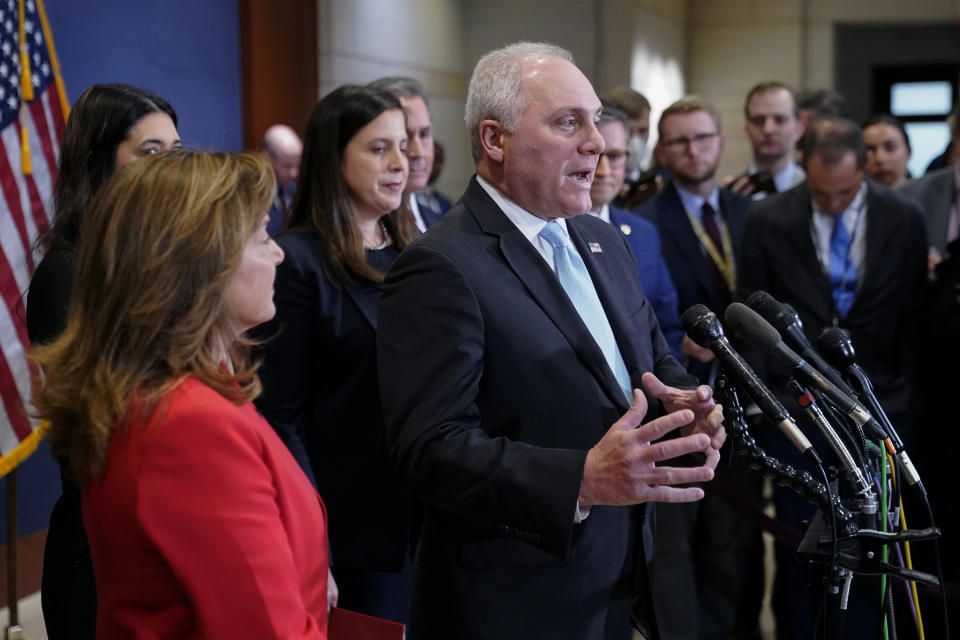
[(201, 525)]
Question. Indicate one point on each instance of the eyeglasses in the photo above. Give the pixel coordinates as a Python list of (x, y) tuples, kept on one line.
[(615, 158), (698, 142)]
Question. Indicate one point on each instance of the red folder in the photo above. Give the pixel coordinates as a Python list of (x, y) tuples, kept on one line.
[(350, 625)]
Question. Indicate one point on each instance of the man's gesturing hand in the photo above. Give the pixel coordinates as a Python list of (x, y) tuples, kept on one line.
[(621, 468)]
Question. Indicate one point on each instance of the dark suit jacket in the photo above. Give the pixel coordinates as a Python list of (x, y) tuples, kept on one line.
[(685, 258), (321, 396), (935, 193), (681, 248), (778, 256), (644, 241), (493, 391), (432, 205)]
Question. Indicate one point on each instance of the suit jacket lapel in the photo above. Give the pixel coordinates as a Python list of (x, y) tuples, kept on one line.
[(543, 286), (676, 226), (799, 234), (613, 304), (367, 299), (879, 234)]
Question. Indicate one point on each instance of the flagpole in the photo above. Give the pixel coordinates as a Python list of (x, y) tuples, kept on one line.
[(14, 630)]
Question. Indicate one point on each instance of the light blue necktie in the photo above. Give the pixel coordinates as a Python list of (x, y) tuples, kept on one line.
[(575, 280), (843, 275)]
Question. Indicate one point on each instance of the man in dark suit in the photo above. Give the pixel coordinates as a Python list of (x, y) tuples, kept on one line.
[(938, 194), (848, 252), (641, 235), (420, 148), (500, 378), (704, 548)]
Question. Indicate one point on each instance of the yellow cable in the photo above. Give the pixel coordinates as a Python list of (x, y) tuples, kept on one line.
[(907, 556)]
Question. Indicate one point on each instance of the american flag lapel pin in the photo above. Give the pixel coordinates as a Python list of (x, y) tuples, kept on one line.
[(595, 247)]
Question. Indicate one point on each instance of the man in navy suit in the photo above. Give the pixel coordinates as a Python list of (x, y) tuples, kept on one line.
[(511, 337), (415, 102), (705, 548), (642, 236)]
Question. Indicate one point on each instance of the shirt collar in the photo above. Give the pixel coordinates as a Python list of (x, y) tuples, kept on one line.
[(528, 224), (693, 203), (603, 214), (850, 213)]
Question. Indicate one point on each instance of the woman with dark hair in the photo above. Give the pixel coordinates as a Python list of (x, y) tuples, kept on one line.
[(200, 523), (888, 150), (109, 127), (320, 363)]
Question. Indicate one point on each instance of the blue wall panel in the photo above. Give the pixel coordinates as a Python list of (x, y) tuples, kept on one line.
[(185, 51)]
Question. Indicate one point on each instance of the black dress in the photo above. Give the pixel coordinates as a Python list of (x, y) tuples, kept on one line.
[(68, 593), (321, 395)]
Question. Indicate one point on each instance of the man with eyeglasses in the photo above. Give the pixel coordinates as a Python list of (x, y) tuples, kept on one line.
[(642, 236), (773, 128), (705, 552)]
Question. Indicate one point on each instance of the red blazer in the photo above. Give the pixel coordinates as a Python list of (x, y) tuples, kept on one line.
[(203, 526)]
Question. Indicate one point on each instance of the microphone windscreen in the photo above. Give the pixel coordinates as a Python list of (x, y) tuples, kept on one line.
[(749, 325), (778, 314), (763, 303), (701, 325), (835, 344)]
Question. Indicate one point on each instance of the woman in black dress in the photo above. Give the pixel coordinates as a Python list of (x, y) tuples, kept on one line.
[(320, 363)]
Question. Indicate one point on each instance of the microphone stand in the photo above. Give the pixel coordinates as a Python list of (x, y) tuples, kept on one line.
[(845, 540)]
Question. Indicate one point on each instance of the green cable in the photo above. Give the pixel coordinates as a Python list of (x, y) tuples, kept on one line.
[(883, 527)]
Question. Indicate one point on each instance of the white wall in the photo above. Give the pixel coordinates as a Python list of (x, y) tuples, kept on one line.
[(733, 44), (362, 40), (615, 42), (663, 48)]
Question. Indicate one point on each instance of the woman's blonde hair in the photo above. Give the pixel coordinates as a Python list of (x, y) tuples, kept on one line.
[(159, 243)]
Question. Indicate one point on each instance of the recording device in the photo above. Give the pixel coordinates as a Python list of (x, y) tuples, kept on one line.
[(704, 328), (759, 182)]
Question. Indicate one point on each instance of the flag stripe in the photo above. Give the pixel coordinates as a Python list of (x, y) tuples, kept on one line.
[(26, 202), (14, 212)]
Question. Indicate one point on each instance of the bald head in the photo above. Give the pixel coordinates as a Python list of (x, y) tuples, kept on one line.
[(283, 146)]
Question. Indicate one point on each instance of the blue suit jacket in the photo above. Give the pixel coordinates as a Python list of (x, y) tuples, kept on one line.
[(433, 205), (654, 275)]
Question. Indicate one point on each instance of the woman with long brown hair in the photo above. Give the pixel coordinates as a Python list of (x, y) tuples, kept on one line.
[(200, 524), (320, 368)]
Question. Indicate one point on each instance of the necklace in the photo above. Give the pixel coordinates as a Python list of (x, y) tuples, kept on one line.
[(386, 237)]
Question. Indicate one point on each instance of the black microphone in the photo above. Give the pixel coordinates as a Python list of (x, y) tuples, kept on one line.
[(749, 325), (785, 319), (838, 349), (704, 328)]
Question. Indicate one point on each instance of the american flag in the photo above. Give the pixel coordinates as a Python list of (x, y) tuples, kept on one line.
[(33, 112)]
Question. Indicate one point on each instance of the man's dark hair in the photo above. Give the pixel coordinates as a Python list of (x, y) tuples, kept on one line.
[(612, 113), (768, 86), (633, 103), (401, 87), (832, 139), (822, 103)]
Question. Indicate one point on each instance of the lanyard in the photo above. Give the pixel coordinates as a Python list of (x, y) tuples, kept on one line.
[(724, 262)]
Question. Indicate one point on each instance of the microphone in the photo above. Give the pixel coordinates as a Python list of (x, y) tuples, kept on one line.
[(704, 328), (749, 325), (838, 348), (785, 319)]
